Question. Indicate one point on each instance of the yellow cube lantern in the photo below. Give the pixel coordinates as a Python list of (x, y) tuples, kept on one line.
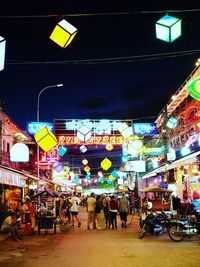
[(45, 139), (106, 164), (63, 33), (87, 169), (85, 161)]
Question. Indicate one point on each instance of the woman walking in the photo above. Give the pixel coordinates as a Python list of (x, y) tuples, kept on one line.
[(75, 201), (99, 213)]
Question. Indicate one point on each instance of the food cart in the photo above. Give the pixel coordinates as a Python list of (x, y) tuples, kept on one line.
[(46, 220), (159, 197)]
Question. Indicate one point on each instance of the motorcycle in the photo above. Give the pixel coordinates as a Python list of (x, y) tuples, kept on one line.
[(179, 229), (153, 222)]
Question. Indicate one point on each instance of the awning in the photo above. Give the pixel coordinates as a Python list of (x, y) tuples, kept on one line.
[(179, 162)]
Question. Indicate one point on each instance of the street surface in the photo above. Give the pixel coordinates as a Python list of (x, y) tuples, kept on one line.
[(79, 247)]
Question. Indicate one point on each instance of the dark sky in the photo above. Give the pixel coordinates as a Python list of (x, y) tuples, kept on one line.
[(116, 89)]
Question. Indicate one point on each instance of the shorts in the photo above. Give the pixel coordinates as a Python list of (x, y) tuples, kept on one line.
[(74, 212)]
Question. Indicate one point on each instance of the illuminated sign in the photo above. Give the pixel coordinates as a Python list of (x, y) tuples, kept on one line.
[(11, 178), (98, 127), (194, 89), (143, 129), (32, 127), (154, 150), (94, 140)]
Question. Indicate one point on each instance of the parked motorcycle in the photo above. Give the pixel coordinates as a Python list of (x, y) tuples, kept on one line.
[(179, 229), (154, 223)]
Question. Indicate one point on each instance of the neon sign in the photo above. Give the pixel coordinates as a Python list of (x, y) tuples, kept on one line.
[(94, 140), (143, 129), (33, 127)]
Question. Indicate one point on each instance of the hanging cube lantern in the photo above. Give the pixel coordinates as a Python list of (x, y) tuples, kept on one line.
[(83, 149), (106, 164), (2, 52), (87, 177), (63, 33), (168, 28), (125, 130), (87, 169), (109, 147), (125, 158), (58, 166), (109, 181), (62, 150), (115, 174), (101, 180), (85, 161), (194, 89), (172, 123), (45, 139), (84, 133), (100, 174)]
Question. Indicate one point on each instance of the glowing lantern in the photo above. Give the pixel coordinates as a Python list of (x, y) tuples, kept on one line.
[(106, 164), (125, 130), (101, 180), (45, 139), (109, 147), (62, 150), (109, 181), (63, 33), (125, 158), (100, 174), (115, 174), (2, 52), (168, 28), (83, 149), (19, 153), (58, 166), (84, 133), (172, 123), (194, 89), (85, 161), (87, 169)]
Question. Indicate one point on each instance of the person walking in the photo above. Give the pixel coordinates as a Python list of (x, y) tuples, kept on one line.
[(113, 211), (74, 209), (90, 208), (123, 210), (106, 209), (99, 213)]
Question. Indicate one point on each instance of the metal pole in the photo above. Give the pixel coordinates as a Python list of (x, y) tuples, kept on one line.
[(38, 119)]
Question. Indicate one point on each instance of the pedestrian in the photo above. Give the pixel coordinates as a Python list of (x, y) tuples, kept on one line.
[(42, 211), (74, 209), (32, 214), (106, 209), (113, 211), (26, 211), (9, 225), (90, 208), (99, 213), (123, 210)]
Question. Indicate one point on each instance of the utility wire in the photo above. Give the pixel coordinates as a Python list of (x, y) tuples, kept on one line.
[(101, 14), (109, 60)]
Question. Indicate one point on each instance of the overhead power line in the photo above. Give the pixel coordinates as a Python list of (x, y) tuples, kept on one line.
[(109, 60), (101, 14)]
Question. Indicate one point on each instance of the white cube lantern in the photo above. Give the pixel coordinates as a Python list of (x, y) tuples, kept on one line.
[(83, 149), (168, 28), (84, 133), (2, 52), (125, 130), (63, 33)]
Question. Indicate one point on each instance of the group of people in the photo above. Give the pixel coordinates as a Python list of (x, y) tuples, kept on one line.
[(102, 211)]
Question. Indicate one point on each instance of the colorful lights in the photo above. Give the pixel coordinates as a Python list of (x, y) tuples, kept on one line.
[(62, 150), (58, 167), (85, 161), (168, 28), (84, 133), (19, 153), (63, 33), (2, 52), (194, 89), (45, 139), (83, 149), (106, 164), (172, 123), (109, 147)]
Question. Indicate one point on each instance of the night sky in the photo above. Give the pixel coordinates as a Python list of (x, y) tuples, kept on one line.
[(103, 71)]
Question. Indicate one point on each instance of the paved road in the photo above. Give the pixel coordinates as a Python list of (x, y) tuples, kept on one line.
[(94, 248)]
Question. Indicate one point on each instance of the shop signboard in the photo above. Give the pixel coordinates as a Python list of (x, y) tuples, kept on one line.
[(144, 129), (32, 127), (12, 178), (195, 187)]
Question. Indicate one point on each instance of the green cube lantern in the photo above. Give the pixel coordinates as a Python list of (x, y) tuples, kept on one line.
[(45, 139), (168, 28), (194, 89), (172, 123)]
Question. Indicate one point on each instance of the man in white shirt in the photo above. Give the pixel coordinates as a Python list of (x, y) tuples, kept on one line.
[(9, 225), (90, 207)]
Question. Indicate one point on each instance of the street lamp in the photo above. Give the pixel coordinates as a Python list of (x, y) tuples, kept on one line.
[(38, 119)]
